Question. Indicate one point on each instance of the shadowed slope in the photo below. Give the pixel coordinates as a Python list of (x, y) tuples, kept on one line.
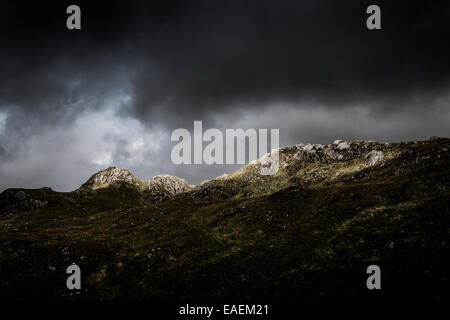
[(311, 230)]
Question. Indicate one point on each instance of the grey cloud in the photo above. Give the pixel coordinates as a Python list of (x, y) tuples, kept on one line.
[(309, 68), (318, 54)]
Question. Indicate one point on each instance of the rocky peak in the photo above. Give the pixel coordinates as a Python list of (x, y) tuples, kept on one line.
[(111, 176), (341, 150), (167, 184)]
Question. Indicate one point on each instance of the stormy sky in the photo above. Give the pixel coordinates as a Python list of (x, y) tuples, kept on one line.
[(75, 102)]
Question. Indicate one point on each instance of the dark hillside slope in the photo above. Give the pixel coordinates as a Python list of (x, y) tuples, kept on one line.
[(311, 230)]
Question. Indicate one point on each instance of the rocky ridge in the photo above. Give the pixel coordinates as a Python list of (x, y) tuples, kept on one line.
[(314, 164), (299, 165)]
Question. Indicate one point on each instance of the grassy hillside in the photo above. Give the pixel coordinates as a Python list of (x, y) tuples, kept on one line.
[(311, 230)]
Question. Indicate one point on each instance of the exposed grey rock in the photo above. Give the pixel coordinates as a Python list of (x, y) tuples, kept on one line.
[(374, 157), (341, 150), (344, 145), (270, 162), (168, 184), (110, 177), (333, 154), (309, 152), (337, 151)]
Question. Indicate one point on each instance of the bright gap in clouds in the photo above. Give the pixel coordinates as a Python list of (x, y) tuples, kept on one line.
[(63, 157), (3, 118)]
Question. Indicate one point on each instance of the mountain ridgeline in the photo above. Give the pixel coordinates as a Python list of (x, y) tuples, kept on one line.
[(308, 231)]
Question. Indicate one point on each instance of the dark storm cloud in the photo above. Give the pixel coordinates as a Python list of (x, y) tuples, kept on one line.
[(204, 56), (310, 68), (47, 72), (209, 60)]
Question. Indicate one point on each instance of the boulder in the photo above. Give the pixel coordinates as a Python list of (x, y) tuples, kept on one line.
[(113, 177), (168, 184), (374, 157)]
